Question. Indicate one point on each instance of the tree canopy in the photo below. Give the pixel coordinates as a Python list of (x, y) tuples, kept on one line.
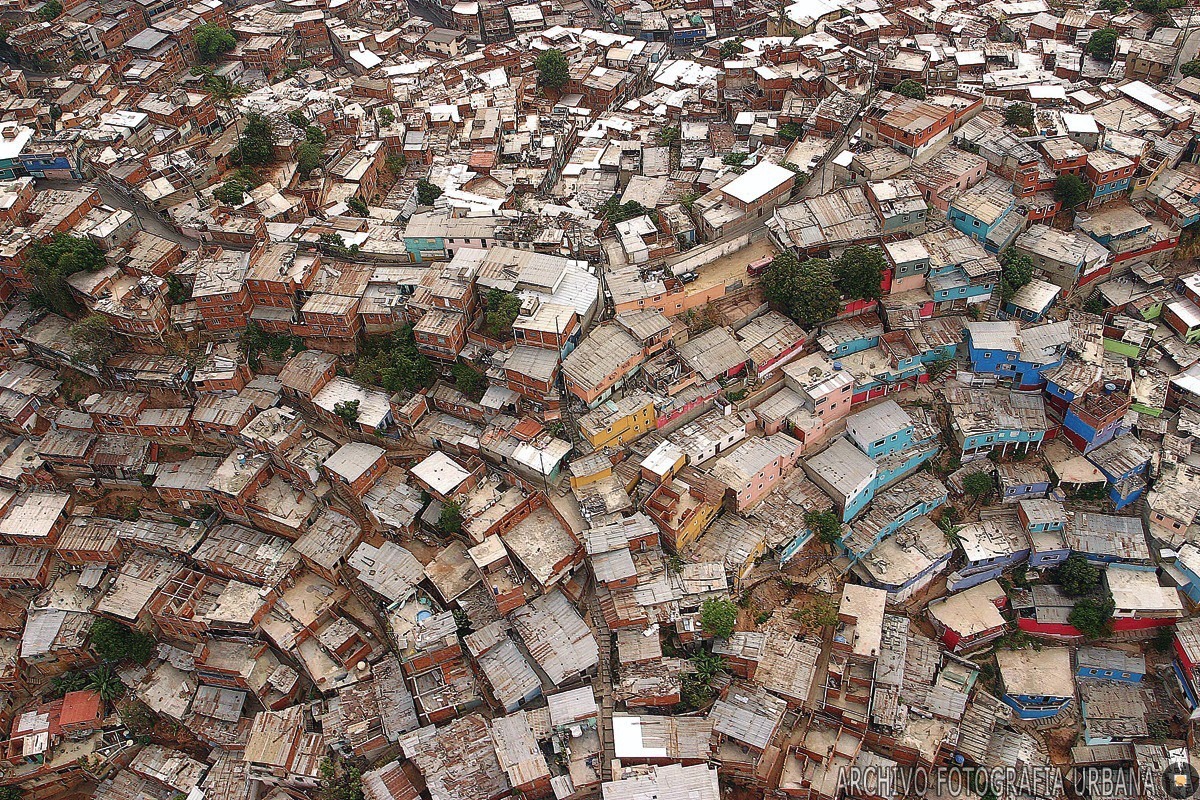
[(858, 273), (469, 380), (427, 192), (256, 145), (1016, 271), (910, 88), (391, 361), (347, 410), (553, 70), (825, 525), (503, 308), (1093, 616), (308, 158), (718, 617), (213, 40), (1191, 69), (358, 207), (1019, 115), (49, 265), (1077, 576), (50, 11), (114, 642), (615, 211), (730, 49), (1070, 190), (95, 341), (977, 484), (450, 520), (804, 291), (1103, 43), (1113, 6)]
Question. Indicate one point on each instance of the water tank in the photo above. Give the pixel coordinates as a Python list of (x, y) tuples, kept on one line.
[(837, 366)]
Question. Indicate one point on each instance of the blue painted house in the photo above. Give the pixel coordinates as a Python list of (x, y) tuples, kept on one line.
[(986, 420), (1187, 569), (1109, 539), (990, 547), (14, 139), (1031, 302), (893, 439), (1103, 663), (1019, 480), (1095, 418), (912, 497), (846, 474), (1045, 523), (846, 336), (1125, 461), (981, 212), (1038, 684), (1014, 354)]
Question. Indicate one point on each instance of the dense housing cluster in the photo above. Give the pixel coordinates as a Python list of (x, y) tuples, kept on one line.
[(484, 399)]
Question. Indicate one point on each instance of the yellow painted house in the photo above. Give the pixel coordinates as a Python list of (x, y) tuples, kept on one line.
[(614, 423)]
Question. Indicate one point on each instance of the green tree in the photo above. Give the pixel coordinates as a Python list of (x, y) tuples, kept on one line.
[(11, 793), (735, 159), (503, 308), (1077, 576), (462, 622), (332, 244), (395, 163), (104, 682), (223, 92), (469, 380), (256, 146), (825, 526), (298, 118), (50, 263), (254, 342), (315, 134), (340, 780), (667, 136), (708, 665), (49, 11), (910, 88), (358, 207), (386, 116), (1157, 7), (804, 291), (789, 131), (308, 158), (232, 192), (1191, 69), (1092, 616), (1094, 304), (114, 642), (718, 617), (1018, 115), (553, 70), (450, 520), (95, 341), (858, 273), (392, 361), (1103, 43), (614, 211), (730, 49), (1113, 6), (427, 192), (212, 41), (347, 410), (67, 682), (1016, 271), (977, 485), (1070, 190), (815, 613), (177, 292)]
